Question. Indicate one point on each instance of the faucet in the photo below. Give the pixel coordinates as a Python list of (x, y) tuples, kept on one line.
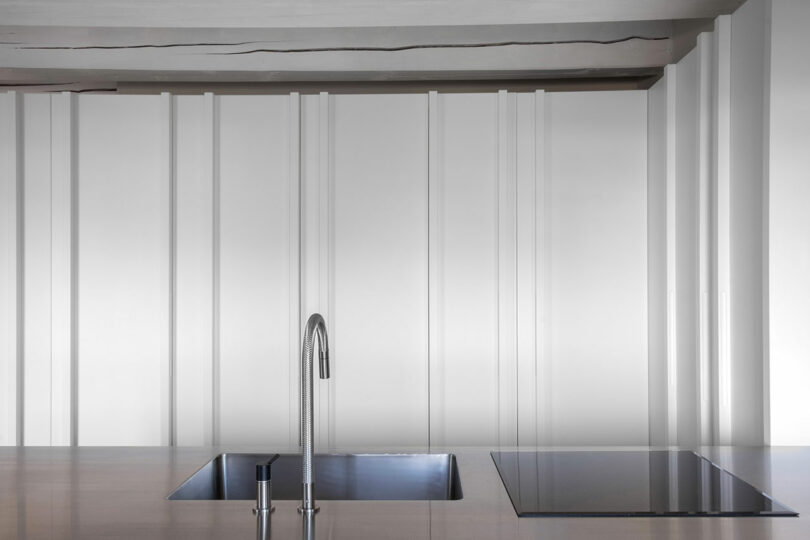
[(315, 326)]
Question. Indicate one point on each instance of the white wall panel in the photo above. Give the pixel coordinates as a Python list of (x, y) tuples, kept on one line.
[(685, 133), (438, 220), (789, 222), (657, 164), (598, 174), (193, 162), (687, 264), (747, 252), (722, 220), (63, 197), (716, 246), (693, 256), (123, 265), (705, 47), (529, 163), (46, 279), (464, 373), (36, 278), (507, 270), (379, 238), (254, 269), (315, 212), (294, 333), (10, 232), (671, 306)]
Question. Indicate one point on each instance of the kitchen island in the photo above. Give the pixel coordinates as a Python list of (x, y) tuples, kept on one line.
[(89, 492)]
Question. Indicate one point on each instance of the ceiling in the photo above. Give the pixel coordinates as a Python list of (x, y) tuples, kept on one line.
[(346, 13), (53, 45)]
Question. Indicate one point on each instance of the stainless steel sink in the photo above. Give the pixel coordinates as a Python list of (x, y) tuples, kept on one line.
[(337, 477)]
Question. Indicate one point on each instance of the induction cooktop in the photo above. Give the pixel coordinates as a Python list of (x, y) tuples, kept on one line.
[(626, 484)]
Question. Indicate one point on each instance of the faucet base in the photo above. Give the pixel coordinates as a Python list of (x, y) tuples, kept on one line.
[(308, 511)]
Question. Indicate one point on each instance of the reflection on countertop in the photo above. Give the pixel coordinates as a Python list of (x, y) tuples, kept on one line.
[(121, 492), (264, 526)]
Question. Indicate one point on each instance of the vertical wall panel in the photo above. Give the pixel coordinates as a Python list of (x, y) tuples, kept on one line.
[(436, 371), (598, 236), (671, 78), (379, 181), (507, 270), (657, 164), (254, 269), (47, 281), (37, 269), (705, 239), (722, 184), (10, 231), (687, 291), (716, 243), (789, 223), (211, 112), (527, 161), (693, 241), (314, 128), (123, 282), (326, 255), (680, 210), (168, 178), (194, 269), (473, 258), (294, 262), (746, 219), (63, 194), (544, 389), (464, 393)]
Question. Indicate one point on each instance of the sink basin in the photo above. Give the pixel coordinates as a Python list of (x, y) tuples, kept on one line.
[(426, 477)]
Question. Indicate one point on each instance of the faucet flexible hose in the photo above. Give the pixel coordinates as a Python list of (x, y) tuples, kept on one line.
[(307, 430), (315, 326)]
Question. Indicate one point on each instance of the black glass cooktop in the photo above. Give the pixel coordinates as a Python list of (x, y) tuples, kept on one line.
[(627, 483)]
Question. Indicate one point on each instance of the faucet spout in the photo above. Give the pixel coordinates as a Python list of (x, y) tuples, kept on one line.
[(323, 354), (316, 326)]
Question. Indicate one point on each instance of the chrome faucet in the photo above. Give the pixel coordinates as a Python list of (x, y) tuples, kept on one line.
[(315, 326)]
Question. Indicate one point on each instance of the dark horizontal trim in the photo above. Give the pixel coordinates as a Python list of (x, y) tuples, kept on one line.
[(641, 81), (282, 82)]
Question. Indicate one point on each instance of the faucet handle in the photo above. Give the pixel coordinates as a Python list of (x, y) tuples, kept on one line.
[(263, 470), (264, 486)]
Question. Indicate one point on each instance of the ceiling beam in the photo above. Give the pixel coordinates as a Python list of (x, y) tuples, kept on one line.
[(67, 54)]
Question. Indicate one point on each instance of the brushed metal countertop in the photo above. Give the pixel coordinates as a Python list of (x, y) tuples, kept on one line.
[(121, 493)]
